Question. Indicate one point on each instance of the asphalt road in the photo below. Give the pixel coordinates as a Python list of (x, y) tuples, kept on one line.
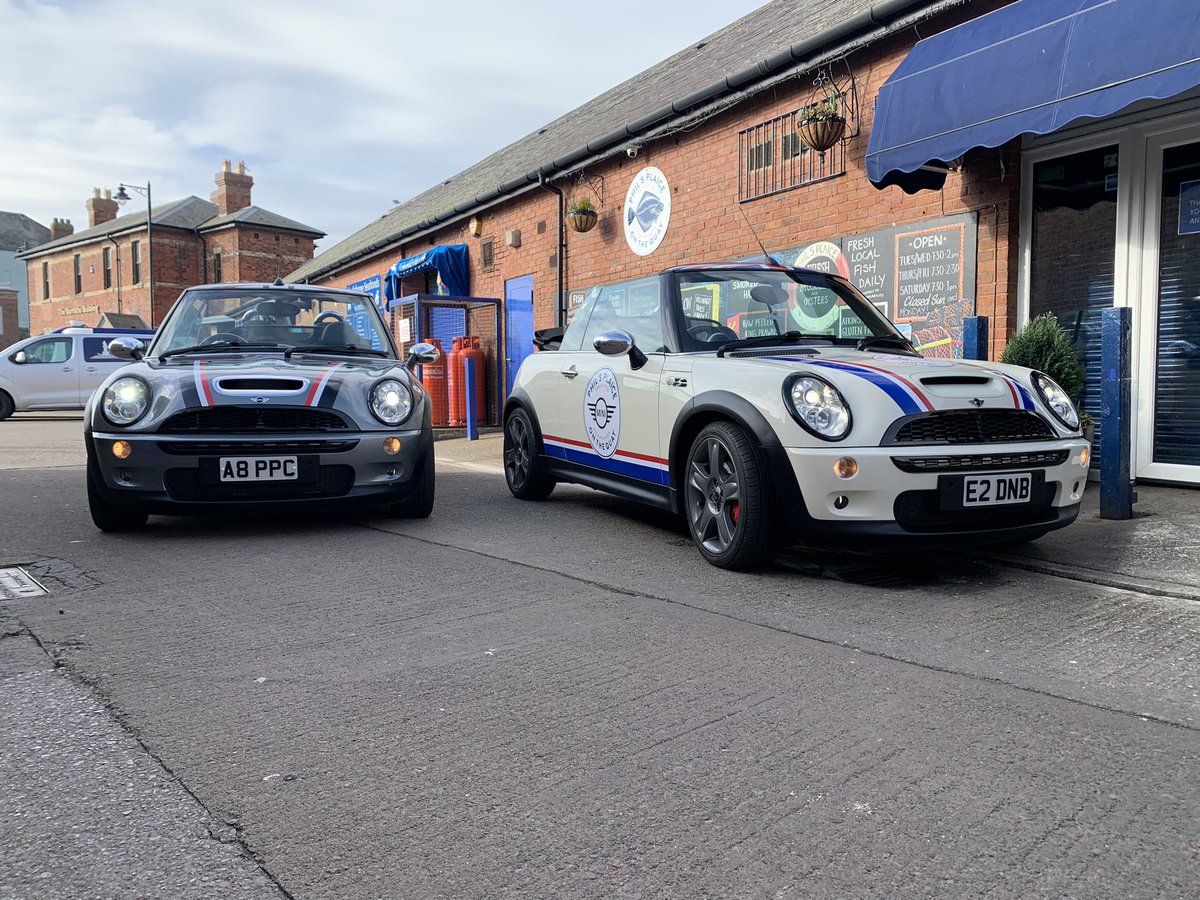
[(563, 700)]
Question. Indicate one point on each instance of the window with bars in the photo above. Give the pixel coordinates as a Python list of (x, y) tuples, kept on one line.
[(772, 158)]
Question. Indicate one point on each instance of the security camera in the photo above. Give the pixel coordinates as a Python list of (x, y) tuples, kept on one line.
[(632, 150)]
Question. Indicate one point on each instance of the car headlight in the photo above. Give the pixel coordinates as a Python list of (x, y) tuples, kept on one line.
[(391, 401), (817, 406), (1058, 401), (125, 401)]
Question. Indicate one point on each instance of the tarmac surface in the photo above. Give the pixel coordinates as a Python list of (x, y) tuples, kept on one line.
[(563, 700)]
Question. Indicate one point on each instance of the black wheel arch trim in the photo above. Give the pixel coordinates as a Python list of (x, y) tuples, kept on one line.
[(731, 407), (518, 398)]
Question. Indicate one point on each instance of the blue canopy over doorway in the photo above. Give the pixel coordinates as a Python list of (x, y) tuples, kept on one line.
[(450, 261)]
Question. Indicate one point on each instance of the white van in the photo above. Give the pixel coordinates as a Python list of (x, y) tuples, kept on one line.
[(60, 369)]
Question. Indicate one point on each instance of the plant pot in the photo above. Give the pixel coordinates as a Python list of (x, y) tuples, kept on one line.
[(821, 134), (582, 219)]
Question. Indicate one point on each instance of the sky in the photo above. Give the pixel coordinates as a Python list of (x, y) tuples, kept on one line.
[(339, 109)]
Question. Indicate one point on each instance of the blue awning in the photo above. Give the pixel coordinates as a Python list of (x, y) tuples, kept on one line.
[(1032, 66), (448, 260)]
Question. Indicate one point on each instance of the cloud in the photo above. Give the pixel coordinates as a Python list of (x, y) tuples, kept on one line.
[(337, 109)]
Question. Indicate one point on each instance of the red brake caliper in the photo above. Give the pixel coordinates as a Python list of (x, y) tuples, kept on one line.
[(736, 508)]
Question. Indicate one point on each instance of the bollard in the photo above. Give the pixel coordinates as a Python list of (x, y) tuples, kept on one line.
[(472, 399), (1116, 489), (975, 337)]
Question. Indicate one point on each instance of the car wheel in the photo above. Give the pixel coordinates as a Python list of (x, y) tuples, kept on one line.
[(105, 516), (726, 501), (6, 406), (420, 504), (524, 468)]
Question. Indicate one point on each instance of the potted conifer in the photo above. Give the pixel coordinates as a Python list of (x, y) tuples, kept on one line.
[(1043, 345)]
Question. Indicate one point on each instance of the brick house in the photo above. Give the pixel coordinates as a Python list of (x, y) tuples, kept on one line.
[(1070, 215), (18, 233), (107, 268)]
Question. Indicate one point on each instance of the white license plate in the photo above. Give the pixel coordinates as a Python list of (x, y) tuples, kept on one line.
[(997, 490), (259, 468)]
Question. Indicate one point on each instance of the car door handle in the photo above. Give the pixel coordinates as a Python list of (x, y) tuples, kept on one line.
[(92, 369), (68, 369), (570, 371)]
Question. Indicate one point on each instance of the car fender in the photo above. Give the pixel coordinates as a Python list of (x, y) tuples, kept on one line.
[(712, 405), (519, 398)]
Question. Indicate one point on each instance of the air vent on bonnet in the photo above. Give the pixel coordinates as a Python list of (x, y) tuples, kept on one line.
[(955, 379), (776, 351), (260, 384)]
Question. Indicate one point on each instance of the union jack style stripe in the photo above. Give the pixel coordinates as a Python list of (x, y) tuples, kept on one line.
[(624, 462), (203, 387), (320, 393), (1021, 397), (318, 386)]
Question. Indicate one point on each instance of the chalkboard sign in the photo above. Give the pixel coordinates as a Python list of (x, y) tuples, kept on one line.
[(922, 275)]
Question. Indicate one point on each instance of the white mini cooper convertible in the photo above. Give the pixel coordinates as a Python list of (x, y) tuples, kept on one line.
[(765, 402)]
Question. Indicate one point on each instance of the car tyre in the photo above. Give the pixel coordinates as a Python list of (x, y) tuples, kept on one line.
[(7, 407), (420, 504), (105, 516), (725, 499), (524, 467)]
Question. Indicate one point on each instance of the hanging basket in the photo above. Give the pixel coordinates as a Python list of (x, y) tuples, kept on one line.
[(821, 134), (582, 219)]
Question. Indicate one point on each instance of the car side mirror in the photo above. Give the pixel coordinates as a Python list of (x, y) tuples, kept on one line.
[(20, 357), (127, 348), (422, 355), (619, 343)]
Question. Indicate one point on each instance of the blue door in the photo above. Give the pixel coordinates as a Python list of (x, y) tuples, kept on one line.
[(518, 326)]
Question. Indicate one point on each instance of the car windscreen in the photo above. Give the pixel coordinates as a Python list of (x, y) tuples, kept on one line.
[(716, 306), (283, 319)]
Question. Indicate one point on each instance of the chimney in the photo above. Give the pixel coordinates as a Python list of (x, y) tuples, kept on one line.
[(60, 228), (233, 188), (101, 209)]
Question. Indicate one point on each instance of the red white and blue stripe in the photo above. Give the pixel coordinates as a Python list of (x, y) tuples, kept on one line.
[(624, 462)]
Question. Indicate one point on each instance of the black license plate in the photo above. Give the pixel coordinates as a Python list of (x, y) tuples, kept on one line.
[(991, 489)]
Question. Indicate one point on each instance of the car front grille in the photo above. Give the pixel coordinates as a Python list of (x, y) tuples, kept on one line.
[(980, 461), (234, 448), (920, 512), (969, 426), (186, 485), (253, 420)]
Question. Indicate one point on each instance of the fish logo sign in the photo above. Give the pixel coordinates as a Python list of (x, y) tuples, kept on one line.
[(602, 412), (647, 211)]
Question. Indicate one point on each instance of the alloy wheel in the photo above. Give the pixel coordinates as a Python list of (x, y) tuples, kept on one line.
[(713, 494)]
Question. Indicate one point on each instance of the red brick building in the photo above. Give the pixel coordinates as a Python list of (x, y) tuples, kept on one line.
[(117, 265), (1069, 217)]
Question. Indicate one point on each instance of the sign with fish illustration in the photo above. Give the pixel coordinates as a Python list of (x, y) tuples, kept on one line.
[(647, 211)]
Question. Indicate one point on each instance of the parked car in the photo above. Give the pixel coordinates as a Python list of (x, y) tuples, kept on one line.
[(264, 397), (58, 370), (767, 403)]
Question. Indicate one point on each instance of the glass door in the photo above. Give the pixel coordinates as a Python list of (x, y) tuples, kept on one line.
[(1168, 375)]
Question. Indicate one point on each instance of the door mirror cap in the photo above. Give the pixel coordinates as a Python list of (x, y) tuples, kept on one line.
[(619, 343), (422, 355), (127, 348), (20, 357)]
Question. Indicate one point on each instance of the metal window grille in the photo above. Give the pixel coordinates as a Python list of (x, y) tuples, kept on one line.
[(488, 254), (773, 158)]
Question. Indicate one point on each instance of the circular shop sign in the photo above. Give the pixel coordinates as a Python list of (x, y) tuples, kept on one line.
[(647, 211), (602, 412)]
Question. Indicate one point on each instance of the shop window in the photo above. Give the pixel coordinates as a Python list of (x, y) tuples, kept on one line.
[(773, 158), (1073, 252)]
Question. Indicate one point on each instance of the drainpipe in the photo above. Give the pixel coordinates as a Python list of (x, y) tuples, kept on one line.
[(562, 248), (117, 254)]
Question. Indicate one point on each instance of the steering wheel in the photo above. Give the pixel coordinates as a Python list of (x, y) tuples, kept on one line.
[(708, 330), (222, 337), (328, 315)]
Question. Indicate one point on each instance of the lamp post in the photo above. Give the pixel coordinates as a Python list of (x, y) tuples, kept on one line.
[(122, 197)]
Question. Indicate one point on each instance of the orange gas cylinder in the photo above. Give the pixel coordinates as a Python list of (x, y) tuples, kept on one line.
[(472, 350), (433, 376), (456, 384)]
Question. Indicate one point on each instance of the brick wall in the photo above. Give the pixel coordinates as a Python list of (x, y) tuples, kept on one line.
[(9, 330), (701, 166)]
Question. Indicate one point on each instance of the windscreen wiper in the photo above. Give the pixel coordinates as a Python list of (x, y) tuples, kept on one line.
[(888, 340), (345, 350), (218, 348), (788, 337)]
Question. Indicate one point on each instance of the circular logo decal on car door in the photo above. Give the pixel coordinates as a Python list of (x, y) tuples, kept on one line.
[(602, 412), (647, 211)]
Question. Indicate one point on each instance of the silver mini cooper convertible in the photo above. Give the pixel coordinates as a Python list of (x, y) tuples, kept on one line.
[(265, 397)]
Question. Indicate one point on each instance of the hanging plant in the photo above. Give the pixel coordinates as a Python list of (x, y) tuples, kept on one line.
[(581, 214), (821, 124)]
